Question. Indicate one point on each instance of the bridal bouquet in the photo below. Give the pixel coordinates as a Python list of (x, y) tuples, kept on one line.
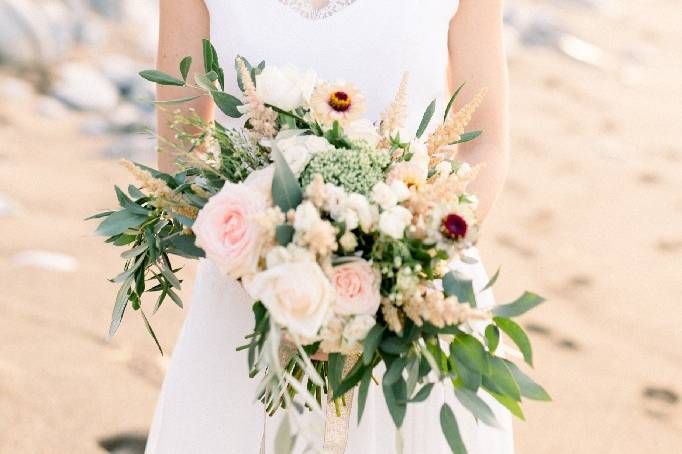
[(341, 230)]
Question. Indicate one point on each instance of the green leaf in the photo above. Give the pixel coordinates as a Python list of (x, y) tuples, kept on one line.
[(456, 284), (371, 343), (151, 331), (501, 380), (492, 336), (452, 101), (227, 103), (336, 361), (172, 102), (517, 335), (99, 215), (519, 307), (423, 393), (394, 345), (492, 280), (134, 252), (396, 400), (185, 64), (350, 380), (468, 377), (394, 372), (128, 204), (363, 391), (470, 352), (161, 78), (477, 406), (204, 82), (120, 305), (286, 191), (174, 296), (528, 387), (510, 404), (467, 137), (119, 222), (170, 276), (207, 48), (451, 430), (135, 192), (185, 246), (426, 119)]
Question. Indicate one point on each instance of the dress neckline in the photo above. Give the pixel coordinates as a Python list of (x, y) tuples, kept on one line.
[(317, 9)]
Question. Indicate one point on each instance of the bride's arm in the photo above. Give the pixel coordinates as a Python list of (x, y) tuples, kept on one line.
[(182, 26), (477, 57)]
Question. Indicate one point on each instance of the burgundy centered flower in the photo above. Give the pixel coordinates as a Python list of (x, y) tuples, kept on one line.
[(340, 101), (455, 226)]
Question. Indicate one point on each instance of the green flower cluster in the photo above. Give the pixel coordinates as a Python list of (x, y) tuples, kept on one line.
[(356, 169)]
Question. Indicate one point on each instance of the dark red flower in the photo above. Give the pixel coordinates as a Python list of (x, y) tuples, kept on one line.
[(340, 101), (455, 226)]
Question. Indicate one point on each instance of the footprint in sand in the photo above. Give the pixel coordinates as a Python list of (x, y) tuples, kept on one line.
[(648, 178), (512, 244), (568, 344), (659, 401), (669, 246), (538, 329), (580, 281)]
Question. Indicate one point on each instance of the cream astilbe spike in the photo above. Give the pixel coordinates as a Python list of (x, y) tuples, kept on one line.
[(165, 197), (453, 127), (396, 113), (261, 117)]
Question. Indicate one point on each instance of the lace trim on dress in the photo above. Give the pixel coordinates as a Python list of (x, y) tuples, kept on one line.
[(317, 9)]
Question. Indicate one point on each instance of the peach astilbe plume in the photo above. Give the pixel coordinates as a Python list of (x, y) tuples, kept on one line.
[(394, 116), (452, 128), (261, 117), (164, 196)]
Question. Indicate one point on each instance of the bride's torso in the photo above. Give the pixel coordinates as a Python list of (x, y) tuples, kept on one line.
[(370, 43)]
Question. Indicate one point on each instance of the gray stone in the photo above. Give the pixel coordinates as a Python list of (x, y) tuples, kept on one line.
[(47, 260), (17, 89), (138, 147), (51, 108), (81, 87)]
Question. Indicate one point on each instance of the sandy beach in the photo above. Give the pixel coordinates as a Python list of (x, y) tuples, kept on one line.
[(591, 218)]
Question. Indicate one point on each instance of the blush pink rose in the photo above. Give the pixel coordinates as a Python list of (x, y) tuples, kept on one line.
[(357, 288), (227, 231)]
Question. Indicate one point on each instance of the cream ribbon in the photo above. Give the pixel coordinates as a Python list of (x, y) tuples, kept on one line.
[(335, 426)]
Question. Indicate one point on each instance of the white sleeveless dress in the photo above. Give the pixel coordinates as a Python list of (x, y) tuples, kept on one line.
[(207, 401)]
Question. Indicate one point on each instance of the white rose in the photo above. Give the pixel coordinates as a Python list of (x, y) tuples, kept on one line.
[(261, 180), (356, 330), (363, 129), (292, 253), (299, 149), (285, 87), (297, 295), (400, 190), (348, 242), (393, 222), (384, 195)]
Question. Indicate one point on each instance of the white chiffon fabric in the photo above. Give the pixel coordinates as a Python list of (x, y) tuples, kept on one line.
[(207, 403)]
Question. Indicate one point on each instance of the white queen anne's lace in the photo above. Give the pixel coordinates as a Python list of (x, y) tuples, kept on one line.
[(317, 9)]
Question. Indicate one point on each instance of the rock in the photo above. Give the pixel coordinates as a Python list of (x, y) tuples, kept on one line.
[(124, 443), (51, 108), (110, 9), (34, 32), (8, 208), (95, 126), (128, 118), (81, 87), (17, 89), (46, 260), (138, 148)]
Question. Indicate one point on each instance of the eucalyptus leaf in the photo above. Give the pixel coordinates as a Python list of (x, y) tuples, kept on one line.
[(510, 404), (467, 137), (151, 332), (517, 335), (501, 380), (134, 252), (185, 64), (172, 102), (526, 302), (207, 49), (470, 352), (448, 423), (528, 387), (394, 372), (161, 78), (492, 336), (371, 343), (120, 305), (336, 361), (363, 391), (204, 82), (426, 119), (227, 103), (492, 280), (477, 406), (286, 191), (174, 296), (423, 393), (119, 222), (396, 400), (452, 101), (457, 284)]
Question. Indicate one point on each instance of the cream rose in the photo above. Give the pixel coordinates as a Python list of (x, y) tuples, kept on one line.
[(261, 180), (357, 288), (298, 295), (363, 129), (285, 87), (227, 231), (299, 149)]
